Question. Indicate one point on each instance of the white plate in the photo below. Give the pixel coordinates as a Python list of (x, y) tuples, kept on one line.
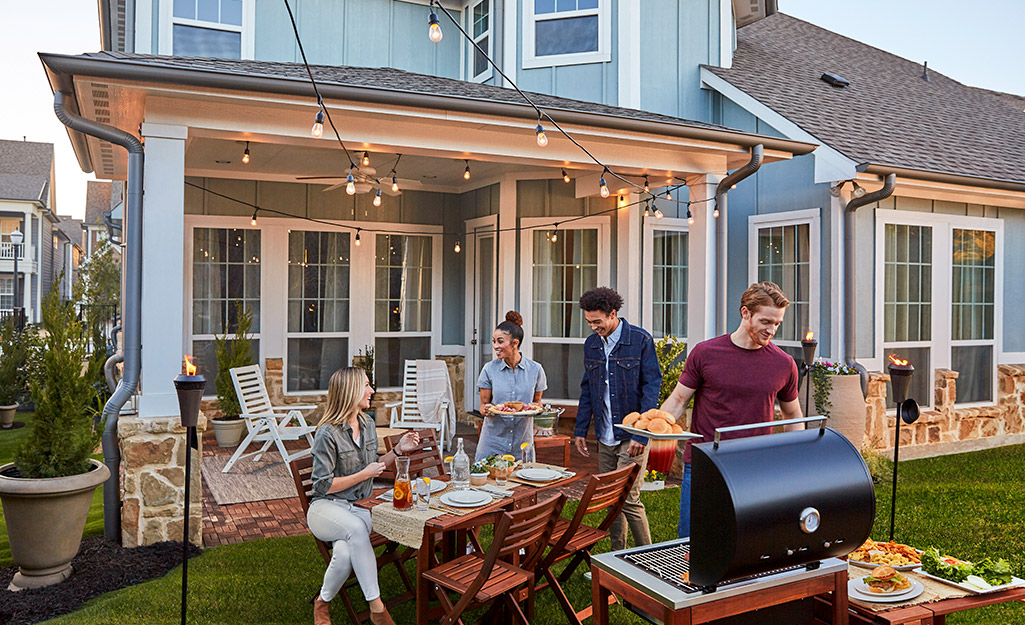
[(873, 565), (538, 475), (862, 587), (854, 593), (466, 498), (1014, 583), (658, 437)]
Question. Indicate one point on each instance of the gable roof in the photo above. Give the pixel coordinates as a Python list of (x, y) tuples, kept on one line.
[(889, 115), (72, 228), (25, 168), (97, 201)]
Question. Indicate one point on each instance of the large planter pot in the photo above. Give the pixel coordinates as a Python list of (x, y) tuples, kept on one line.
[(7, 415), (228, 431), (847, 413), (45, 519)]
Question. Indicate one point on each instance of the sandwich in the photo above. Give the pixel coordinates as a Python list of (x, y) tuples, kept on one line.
[(886, 580)]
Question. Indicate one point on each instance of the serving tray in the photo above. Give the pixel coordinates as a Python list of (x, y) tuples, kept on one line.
[(1014, 583), (668, 436)]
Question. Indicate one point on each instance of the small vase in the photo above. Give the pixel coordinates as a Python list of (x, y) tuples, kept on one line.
[(478, 479), (7, 415), (228, 431)]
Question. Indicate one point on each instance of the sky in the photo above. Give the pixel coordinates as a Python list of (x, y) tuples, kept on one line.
[(978, 43)]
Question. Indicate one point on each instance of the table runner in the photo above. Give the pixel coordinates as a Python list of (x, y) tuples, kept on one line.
[(934, 591), (405, 527)]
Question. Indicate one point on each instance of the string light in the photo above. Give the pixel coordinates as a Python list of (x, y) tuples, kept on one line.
[(734, 187), (658, 213), (457, 248), (604, 188), (350, 184), (565, 176), (555, 235), (466, 172), (366, 158), (245, 155), (357, 237), (669, 194), (252, 222), (715, 213), (542, 140), (646, 209), (318, 124), (394, 183), (690, 218), (646, 189), (377, 198), (433, 27)]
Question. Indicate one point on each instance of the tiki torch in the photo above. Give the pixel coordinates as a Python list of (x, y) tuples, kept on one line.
[(808, 346), (190, 391), (907, 411)]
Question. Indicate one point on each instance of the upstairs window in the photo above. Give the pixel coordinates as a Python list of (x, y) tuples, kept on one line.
[(480, 14), (566, 32), (207, 28)]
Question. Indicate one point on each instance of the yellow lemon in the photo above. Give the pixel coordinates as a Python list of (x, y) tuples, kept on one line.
[(448, 458), (427, 481), (509, 457), (524, 445), (399, 494)]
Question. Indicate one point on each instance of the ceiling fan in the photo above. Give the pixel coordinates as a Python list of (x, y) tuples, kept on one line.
[(365, 178)]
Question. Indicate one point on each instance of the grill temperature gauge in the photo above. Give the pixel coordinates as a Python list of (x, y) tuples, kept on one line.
[(809, 520)]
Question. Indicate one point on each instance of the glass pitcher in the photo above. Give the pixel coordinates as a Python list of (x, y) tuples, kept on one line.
[(403, 498)]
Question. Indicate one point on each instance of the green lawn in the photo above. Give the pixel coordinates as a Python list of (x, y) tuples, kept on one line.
[(9, 441), (968, 505)]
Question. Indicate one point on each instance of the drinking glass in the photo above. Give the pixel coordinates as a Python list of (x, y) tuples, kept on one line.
[(529, 455), (501, 472), (423, 493)]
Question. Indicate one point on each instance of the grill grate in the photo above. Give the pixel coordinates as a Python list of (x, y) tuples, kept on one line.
[(670, 563)]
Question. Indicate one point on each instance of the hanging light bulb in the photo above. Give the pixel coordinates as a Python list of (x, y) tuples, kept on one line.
[(394, 184), (466, 172), (433, 27), (658, 214), (245, 155), (669, 194), (690, 218), (647, 213), (377, 198), (555, 235), (859, 191), (542, 140), (733, 187), (604, 188), (565, 176), (318, 124), (457, 248), (646, 188), (350, 184), (715, 213), (357, 237), (252, 222), (366, 158)]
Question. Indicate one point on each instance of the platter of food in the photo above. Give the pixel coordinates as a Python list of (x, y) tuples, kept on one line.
[(515, 409), (673, 436), (985, 576), (898, 555), (875, 590), (655, 424)]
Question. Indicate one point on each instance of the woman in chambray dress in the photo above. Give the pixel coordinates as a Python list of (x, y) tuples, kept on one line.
[(511, 376)]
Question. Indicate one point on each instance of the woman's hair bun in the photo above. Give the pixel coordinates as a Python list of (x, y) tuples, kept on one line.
[(514, 317)]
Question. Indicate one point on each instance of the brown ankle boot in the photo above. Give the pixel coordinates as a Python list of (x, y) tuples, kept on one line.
[(321, 612), (381, 618)]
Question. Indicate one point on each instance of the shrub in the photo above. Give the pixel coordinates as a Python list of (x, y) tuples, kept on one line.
[(820, 372), (233, 352), (670, 358), (14, 352)]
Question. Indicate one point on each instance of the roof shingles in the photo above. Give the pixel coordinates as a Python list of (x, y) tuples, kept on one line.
[(25, 168)]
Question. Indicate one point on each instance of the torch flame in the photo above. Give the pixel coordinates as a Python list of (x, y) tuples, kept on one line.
[(809, 335), (897, 361), (190, 369)]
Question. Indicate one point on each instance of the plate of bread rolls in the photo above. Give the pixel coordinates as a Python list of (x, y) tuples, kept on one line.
[(656, 424)]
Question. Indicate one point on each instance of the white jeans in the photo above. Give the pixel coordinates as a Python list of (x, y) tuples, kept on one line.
[(336, 521)]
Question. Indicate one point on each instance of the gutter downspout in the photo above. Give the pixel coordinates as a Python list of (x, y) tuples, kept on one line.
[(132, 319), (850, 293), (757, 156)]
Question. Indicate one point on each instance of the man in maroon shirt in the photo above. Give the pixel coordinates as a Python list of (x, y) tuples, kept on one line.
[(736, 378)]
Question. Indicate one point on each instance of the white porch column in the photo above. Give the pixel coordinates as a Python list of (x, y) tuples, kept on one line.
[(507, 241), (629, 271), (163, 266), (701, 261)]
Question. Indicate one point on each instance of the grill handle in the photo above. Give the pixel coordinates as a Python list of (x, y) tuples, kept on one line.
[(821, 419)]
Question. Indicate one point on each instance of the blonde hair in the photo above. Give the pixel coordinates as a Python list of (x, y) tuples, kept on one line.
[(763, 294), (344, 392)]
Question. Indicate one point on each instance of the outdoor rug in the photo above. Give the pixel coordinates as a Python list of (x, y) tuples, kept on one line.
[(247, 480)]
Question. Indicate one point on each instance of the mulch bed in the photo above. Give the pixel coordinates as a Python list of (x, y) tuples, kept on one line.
[(99, 567)]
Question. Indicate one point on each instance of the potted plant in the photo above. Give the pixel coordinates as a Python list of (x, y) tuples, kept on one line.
[(232, 351), (48, 489), (653, 480), (14, 350), (479, 474), (836, 391), (364, 359)]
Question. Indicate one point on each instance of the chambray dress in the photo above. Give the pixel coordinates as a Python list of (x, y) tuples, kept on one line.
[(504, 435)]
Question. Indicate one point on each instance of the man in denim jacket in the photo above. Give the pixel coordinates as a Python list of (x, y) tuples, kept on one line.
[(621, 375)]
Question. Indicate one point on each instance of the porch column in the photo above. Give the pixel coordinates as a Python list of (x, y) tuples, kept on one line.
[(701, 260), (507, 241), (629, 270), (163, 268)]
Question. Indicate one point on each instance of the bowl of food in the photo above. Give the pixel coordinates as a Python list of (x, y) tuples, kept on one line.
[(479, 474)]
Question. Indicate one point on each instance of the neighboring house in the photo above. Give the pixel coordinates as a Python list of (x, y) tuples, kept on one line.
[(72, 252), (98, 198)]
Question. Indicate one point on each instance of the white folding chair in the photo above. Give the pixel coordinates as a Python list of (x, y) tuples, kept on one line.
[(263, 420), (405, 413)]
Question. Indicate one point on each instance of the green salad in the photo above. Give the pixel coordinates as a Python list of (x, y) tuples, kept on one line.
[(995, 572)]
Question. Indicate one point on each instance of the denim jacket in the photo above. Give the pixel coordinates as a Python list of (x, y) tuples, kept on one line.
[(636, 379)]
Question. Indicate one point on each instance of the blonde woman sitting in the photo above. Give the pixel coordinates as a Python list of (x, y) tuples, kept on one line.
[(345, 464)]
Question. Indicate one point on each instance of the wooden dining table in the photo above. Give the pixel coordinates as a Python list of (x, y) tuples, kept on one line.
[(453, 543)]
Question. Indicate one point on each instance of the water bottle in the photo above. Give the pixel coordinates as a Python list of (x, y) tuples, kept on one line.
[(460, 468)]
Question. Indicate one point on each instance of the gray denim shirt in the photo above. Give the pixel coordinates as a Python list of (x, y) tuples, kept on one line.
[(336, 455)]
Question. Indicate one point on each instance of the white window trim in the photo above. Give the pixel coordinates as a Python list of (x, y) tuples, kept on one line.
[(602, 55), (942, 275), (489, 227), (812, 217), (528, 225), (668, 224), (248, 28), (489, 33)]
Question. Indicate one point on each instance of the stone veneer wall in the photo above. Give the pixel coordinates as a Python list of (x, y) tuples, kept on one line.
[(946, 424), (153, 481)]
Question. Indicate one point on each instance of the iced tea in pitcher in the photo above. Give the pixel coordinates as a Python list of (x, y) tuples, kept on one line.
[(403, 499)]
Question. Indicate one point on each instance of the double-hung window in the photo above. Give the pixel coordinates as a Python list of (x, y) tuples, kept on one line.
[(784, 250), (481, 30), (566, 32), (665, 284), (225, 277), (208, 28), (318, 308), (403, 303), (6, 292), (973, 304)]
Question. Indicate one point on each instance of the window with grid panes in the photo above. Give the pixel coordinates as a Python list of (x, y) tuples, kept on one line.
[(481, 30), (318, 308), (402, 304), (907, 303), (225, 277), (566, 31), (784, 258), (973, 303), (669, 284), (207, 28), (6, 292), (562, 271)]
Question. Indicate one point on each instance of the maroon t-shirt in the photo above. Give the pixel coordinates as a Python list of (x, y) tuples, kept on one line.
[(736, 386)]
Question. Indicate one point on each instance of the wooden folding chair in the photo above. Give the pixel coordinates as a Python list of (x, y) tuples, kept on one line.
[(263, 420), (574, 539), (302, 475), (405, 413), (494, 577), (428, 456)]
